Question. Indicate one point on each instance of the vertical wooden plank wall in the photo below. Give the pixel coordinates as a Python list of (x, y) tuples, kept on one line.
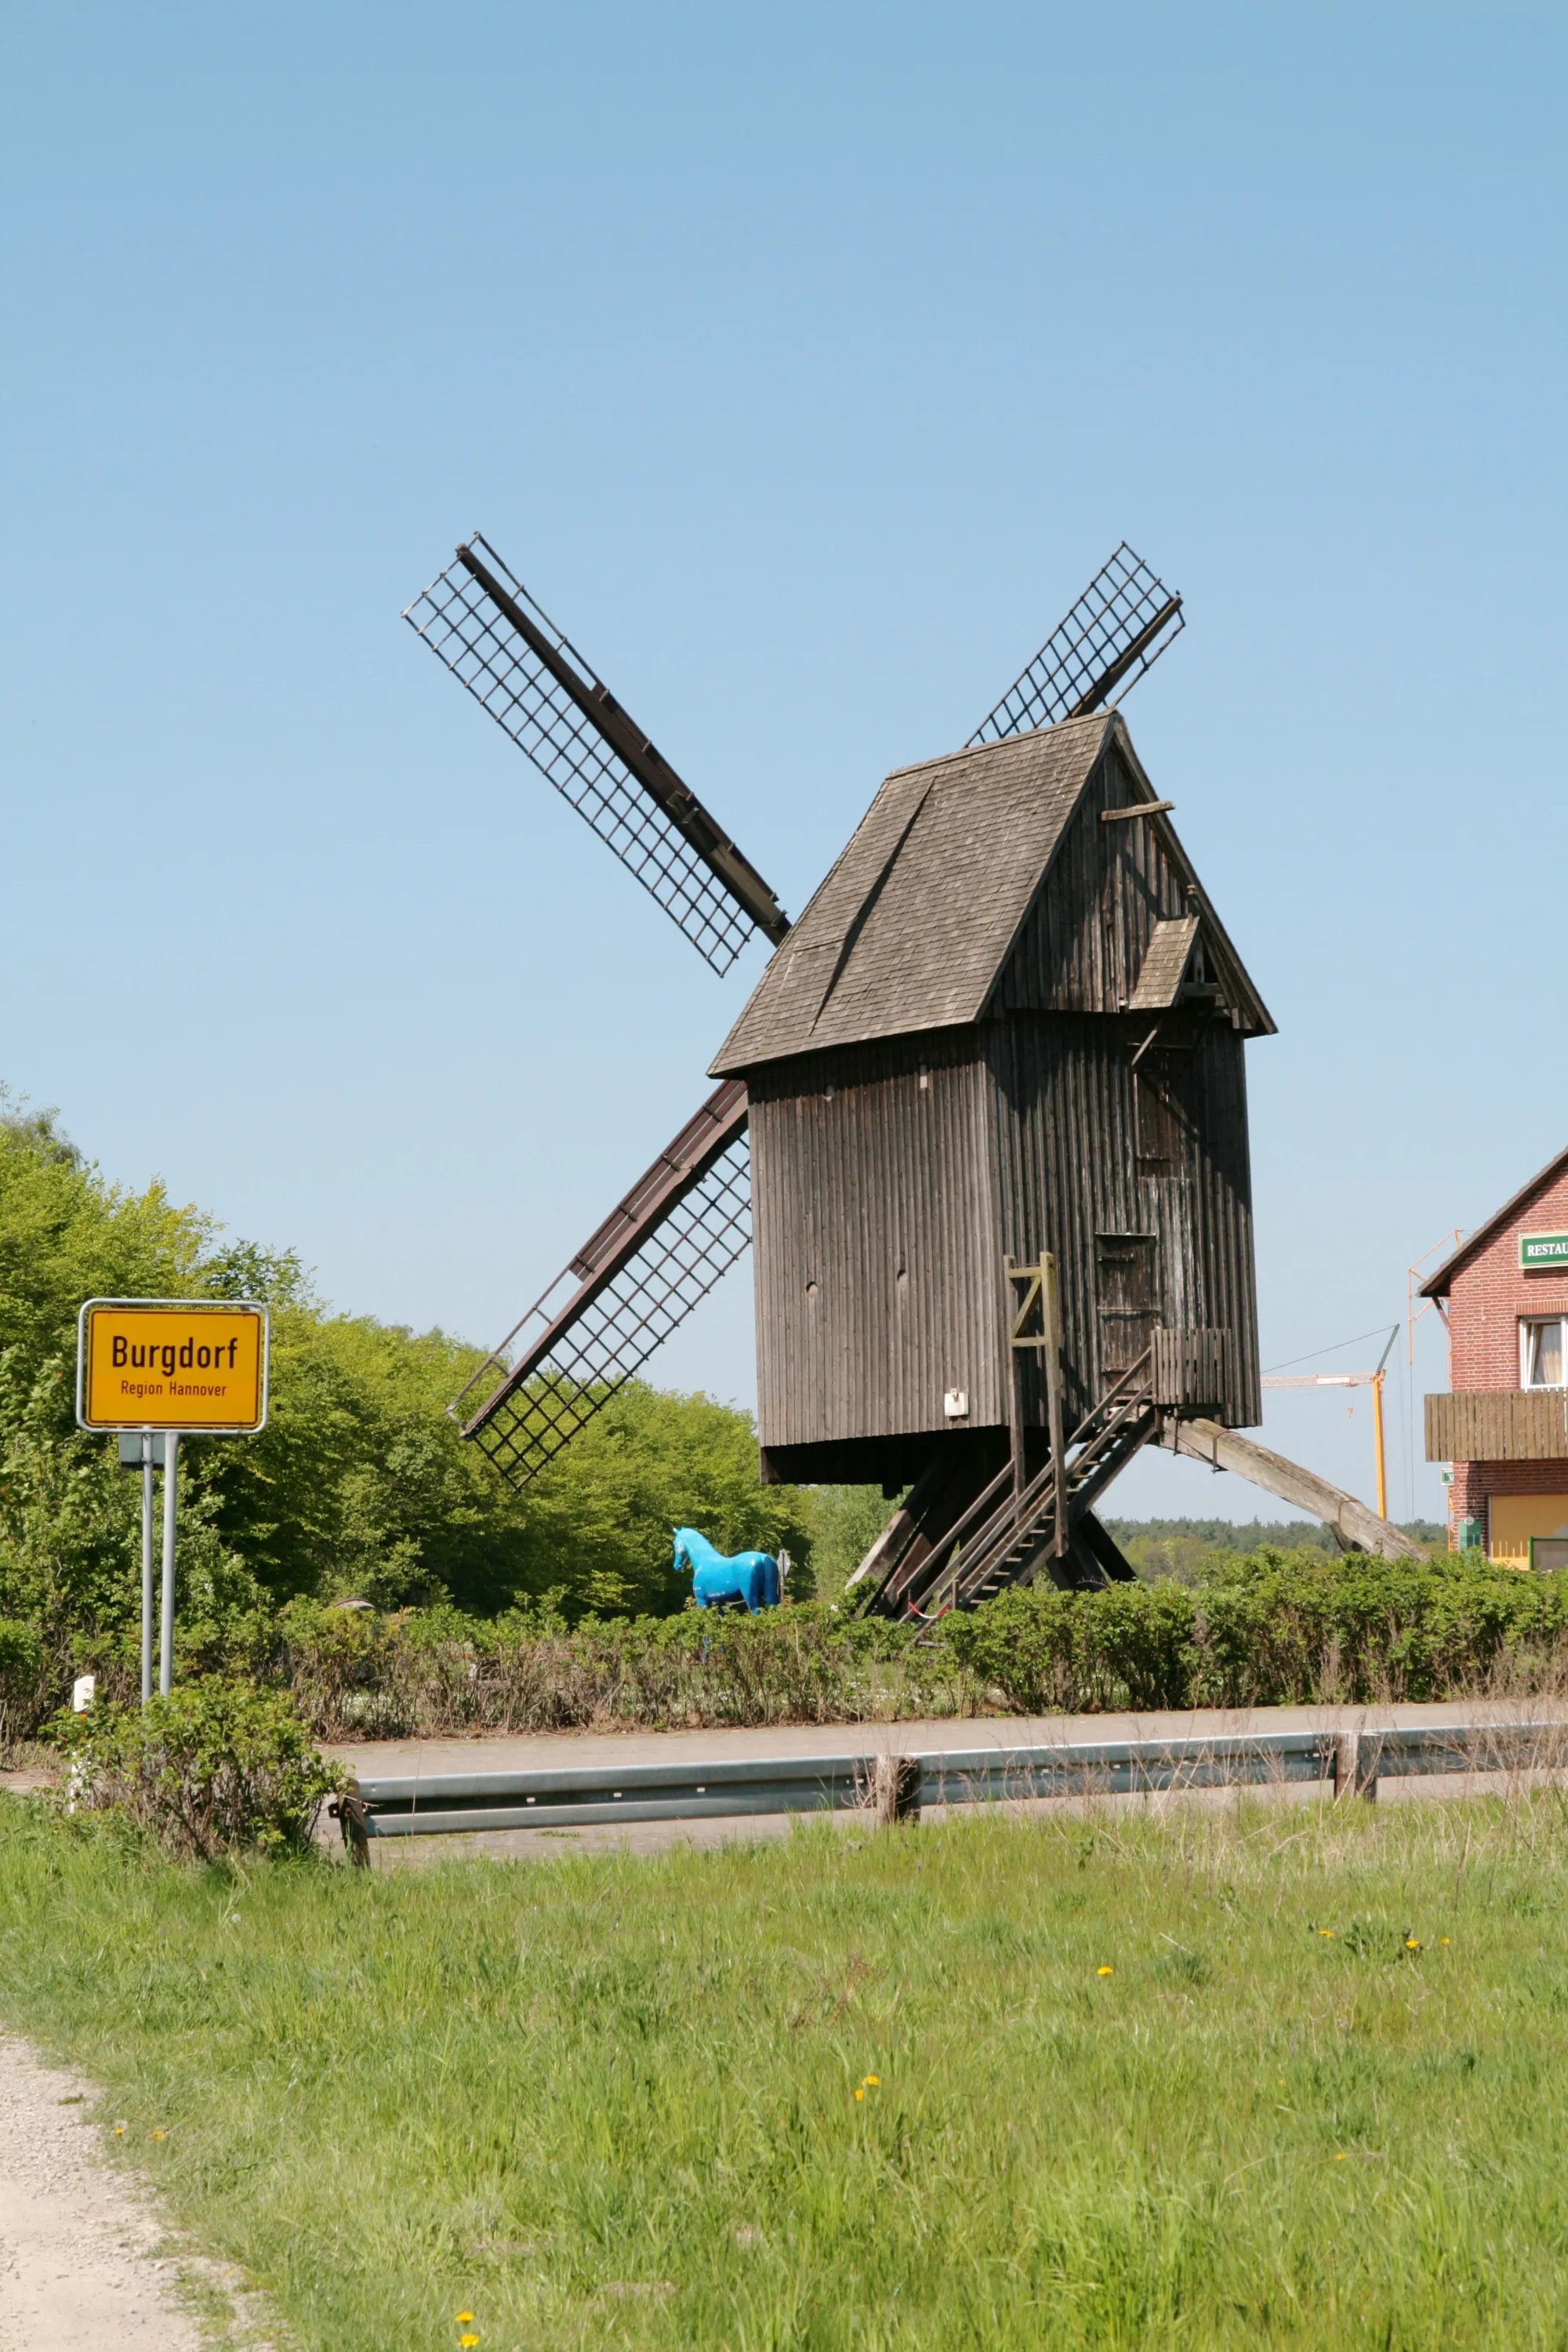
[(1069, 1170), (878, 1281)]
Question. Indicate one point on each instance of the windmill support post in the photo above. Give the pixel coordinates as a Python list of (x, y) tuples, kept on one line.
[(1357, 1528), (1018, 1317), (1374, 1380), (1041, 1296), (1051, 1321), (889, 1546)]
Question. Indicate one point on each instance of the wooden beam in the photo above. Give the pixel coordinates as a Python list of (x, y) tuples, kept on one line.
[(1356, 1527), (1051, 1324), (679, 1170), (1140, 808), (904, 1521)]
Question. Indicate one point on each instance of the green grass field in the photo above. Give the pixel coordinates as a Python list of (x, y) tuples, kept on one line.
[(1276, 2077)]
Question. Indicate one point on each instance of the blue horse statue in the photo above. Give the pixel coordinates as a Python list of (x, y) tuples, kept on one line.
[(751, 1579)]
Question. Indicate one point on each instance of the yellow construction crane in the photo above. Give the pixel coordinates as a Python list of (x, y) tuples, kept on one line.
[(1372, 1380)]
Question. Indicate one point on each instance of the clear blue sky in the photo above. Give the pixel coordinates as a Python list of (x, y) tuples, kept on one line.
[(805, 361)]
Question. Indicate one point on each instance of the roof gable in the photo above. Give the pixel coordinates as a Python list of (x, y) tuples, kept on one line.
[(917, 916), (974, 886), (1438, 1285)]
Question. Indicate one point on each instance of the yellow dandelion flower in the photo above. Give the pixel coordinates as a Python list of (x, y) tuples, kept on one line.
[(1442, 1939), (874, 2081), (860, 2092), (1412, 1944), (160, 2135), (119, 2131), (470, 2339), (1105, 1970), (1325, 1931), (1339, 2155)]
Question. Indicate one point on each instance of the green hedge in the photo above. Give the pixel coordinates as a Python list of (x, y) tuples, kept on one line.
[(1270, 1629), (355, 1675), (1265, 1629)]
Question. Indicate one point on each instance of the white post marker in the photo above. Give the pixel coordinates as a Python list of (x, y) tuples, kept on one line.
[(167, 1368)]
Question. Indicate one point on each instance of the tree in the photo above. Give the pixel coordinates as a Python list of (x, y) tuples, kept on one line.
[(603, 1515), (360, 1486)]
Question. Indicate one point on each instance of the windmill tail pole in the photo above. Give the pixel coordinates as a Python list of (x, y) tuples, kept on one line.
[(1357, 1528)]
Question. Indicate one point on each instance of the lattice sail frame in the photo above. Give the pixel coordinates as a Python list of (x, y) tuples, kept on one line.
[(1119, 627), (684, 1258), (456, 617)]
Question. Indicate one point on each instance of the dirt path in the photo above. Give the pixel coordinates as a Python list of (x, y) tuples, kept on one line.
[(77, 2265)]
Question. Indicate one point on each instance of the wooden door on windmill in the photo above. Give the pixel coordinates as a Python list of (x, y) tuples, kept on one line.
[(1125, 1299), (1164, 1086)]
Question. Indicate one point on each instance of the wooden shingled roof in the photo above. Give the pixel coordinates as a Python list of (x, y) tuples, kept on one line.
[(1170, 946), (915, 922)]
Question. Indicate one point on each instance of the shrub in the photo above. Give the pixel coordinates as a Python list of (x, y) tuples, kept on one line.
[(1021, 1646), (21, 1680), (1268, 1629), (1265, 1629), (215, 1767)]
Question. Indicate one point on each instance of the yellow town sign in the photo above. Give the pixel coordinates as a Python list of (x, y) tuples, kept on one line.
[(192, 1365)]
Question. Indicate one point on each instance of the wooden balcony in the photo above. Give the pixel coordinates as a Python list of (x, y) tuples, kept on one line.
[(1498, 1426)]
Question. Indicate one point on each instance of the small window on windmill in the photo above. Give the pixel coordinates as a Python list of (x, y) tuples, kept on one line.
[(1202, 985), (1163, 1086)]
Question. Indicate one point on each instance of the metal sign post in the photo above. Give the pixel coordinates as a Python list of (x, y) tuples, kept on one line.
[(166, 1601), (146, 1568), (145, 1454), (155, 1370)]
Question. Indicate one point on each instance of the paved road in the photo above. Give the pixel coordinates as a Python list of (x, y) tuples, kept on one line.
[(542, 1751)]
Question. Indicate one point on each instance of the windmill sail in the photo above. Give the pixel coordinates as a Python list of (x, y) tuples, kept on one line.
[(484, 625), (1120, 626), (659, 1253)]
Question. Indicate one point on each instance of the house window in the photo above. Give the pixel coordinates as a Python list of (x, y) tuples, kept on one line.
[(1541, 1354)]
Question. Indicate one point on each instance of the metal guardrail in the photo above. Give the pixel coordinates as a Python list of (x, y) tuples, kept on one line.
[(686, 1788)]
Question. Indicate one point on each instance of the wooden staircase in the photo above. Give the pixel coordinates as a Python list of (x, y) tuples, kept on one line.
[(1008, 1535)]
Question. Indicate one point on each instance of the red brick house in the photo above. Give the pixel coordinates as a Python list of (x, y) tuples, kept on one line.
[(1504, 1422)]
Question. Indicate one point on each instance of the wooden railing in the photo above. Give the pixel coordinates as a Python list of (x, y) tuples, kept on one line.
[(1498, 1426)]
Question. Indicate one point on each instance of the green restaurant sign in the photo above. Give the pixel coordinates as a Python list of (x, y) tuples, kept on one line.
[(1539, 1251)]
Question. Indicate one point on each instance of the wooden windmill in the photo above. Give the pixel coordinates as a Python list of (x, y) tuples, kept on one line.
[(985, 1115)]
